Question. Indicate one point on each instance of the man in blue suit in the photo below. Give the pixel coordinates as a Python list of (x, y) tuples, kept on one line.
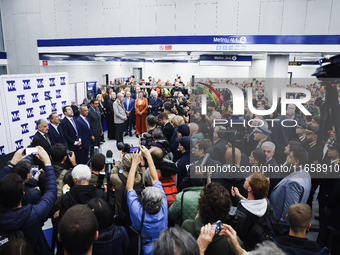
[(70, 129), (55, 131), (129, 104), (85, 134)]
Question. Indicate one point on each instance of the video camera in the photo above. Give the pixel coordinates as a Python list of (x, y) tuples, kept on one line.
[(146, 140)]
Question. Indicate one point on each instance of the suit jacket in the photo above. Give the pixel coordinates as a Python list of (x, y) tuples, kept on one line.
[(56, 137), (131, 107), (168, 130), (119, 112), (292, 189), (156, 105), (38, 139), (85, 132), (95, 122), (69, 132)]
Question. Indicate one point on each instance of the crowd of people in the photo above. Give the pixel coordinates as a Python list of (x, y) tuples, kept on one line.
[(153, 200)]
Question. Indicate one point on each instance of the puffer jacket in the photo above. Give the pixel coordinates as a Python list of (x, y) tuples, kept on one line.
[(30, 218), (190, 198)]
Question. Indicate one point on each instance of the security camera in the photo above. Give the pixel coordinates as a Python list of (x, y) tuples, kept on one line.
[(189, 53)]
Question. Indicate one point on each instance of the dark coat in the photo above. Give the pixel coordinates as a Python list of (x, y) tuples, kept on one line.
[(38, 139), (95, 122), (56, 137), (85, 132), (79, 194), (30, 218), (168, 130), (156, 105), (113, 240)]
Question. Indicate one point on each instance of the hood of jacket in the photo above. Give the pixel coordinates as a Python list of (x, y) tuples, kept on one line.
[(83, 193), (257, 207)]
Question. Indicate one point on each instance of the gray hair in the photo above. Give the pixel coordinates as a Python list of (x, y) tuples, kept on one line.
[(269, 144), (175, 240), (267, 248), (152, 199), (120, 95), (154, 92), (81, 173), (39, 122)]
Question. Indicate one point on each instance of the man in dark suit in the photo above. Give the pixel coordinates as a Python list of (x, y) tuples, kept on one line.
[(85, 134), (55, 131), (71, 132), (269, 149), (95, 125), (167, 128), (41, 137), (129, 104)]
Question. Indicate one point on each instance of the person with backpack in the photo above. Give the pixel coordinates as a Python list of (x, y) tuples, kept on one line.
[(82, 192), (252, 220), (150, 215), (119, 175), (29, 219)]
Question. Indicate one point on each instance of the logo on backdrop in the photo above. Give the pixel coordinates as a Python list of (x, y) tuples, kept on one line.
[(52, 82), (42, 109), (58, 91), (24, 128), (19, 144), (15, 116), (62, 81), (35, 98), (47, 95), (54, 107), (27, 84), (30, 112), (31, 138), (2, 150), (11, 85), (63, 103), (40, 83), (21, 99)]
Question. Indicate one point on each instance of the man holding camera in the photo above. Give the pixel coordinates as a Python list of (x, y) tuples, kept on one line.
[(28, 219)]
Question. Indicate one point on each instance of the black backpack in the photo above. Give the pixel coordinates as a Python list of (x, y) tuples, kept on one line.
[(262, 228)]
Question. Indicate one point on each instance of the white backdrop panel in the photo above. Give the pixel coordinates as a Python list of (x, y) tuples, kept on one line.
[(23, 102)]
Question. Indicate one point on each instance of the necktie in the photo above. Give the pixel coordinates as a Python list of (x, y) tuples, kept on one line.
[(48, 139), (87, 122), (74, 125)]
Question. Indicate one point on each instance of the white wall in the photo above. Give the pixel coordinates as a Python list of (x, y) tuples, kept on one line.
[(166, 71), (25, 21)]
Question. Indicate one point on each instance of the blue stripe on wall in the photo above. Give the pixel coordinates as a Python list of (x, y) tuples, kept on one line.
[(3, 55), (218, 39)]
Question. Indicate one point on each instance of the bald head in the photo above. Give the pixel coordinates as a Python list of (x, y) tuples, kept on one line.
[(193, 128), (229, 156)]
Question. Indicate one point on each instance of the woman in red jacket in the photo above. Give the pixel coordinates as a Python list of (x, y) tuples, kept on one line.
[(141, 111)]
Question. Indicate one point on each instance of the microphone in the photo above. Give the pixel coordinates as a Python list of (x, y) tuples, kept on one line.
[(205, 159), (109, 161), (48, 96)]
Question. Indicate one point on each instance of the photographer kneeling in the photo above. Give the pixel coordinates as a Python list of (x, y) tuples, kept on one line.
[(150, 216)]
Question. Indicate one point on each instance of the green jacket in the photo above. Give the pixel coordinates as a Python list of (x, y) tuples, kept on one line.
[(195, 138), (190, 205), (219, 244)]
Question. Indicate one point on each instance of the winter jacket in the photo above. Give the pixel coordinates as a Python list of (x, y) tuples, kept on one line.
[(219, 244), (79, 194), (30, 218), (248, 212), (113, 240), (195, 138), (179, 212)]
